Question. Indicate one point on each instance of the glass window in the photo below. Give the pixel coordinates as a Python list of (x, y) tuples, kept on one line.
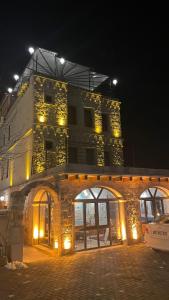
[(104, 237), (90, 156), (145, 194), (150, 215), (72, 152), (79, 240), (160, 193), (86, 194), (79, 219), (48, 145), (153, 204), (88, 117), (105, 122), (96, 191), (72, 115), (114, 221), (107, 161), (166, 206), (152, 191), (106, 194), (48, 99), (102, 210), (90, 214), (91, 239), (142, 210)]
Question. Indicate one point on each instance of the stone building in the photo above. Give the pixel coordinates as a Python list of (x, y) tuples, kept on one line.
[(62, 180)]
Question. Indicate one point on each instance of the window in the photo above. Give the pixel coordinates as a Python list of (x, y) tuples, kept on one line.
[(2, 172), (7, 168), (72, 115), (9, 132), (153, 203), (88, 117), (90, 156), (105, 122), (72, 152), (49, 145), (107, 158), (48, 99)]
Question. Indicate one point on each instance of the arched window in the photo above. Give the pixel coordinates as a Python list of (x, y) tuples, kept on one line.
[(96, 218), (154, 202)]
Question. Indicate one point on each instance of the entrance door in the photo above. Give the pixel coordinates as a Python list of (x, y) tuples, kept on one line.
[(96, 220), (42, 220)]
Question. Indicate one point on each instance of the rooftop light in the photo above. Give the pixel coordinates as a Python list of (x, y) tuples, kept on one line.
[(62, 60), (115, 81), (10, 90), (16, 77), (31, 50)]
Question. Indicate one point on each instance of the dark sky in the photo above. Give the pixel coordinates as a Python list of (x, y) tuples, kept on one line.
[(131, 44)]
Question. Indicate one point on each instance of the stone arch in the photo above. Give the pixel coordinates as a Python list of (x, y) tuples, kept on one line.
[(33, 192)]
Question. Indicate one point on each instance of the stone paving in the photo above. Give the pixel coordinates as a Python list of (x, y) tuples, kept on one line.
[(121, 272)]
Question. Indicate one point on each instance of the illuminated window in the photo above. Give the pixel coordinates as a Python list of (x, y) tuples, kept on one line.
[(88, 117), (154, 202), (90, 156), (49, 145), (72, 115), (96, 219), (105, 124), (48, 98), (107, 161), (72, 154)]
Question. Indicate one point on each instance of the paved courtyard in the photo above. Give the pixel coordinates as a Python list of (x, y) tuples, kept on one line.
[(121, 272)]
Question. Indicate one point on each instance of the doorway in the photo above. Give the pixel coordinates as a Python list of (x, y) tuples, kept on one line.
[(43, 220)]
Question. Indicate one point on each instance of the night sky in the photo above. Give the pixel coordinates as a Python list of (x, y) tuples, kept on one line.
[(132, 46)]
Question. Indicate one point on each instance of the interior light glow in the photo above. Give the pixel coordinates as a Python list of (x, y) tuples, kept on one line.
[(41, 119), (16, 77), (62, 60), (2, 198), (31, 50), (115, 81), (41, 233), (35, 233), (56, 244), (134, 232), (67, 244), (10, 90)]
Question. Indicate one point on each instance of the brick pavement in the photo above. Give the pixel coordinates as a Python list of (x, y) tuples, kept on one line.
[(121, 272)]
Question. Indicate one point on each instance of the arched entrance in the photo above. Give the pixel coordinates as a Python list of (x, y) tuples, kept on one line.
[(154, 202), (96, 219), (43, 232)]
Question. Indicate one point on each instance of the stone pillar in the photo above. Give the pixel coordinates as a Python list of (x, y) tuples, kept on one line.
[(66, 225), (15, 230), (133, 223)]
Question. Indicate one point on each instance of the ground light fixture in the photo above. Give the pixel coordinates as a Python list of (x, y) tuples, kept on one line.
[(31, 50), (62, 60), (10, 90), (115, 81), (16, 77)]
